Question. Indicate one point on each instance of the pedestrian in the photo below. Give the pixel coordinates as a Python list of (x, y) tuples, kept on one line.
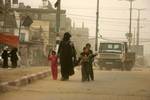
[(91, 59), (54, 64), (14, 57), (5, 56), (84, 61), (67, 55)]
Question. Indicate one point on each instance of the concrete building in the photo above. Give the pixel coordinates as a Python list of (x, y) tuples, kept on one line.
[(92, 42), (7, 21), (7, 18), (40, 37), (80, 36), (41, 32)]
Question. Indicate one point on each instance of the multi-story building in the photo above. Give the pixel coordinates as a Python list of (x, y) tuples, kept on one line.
[(80, 36), (37, 39), (92, 42), (7, 21), (7, 18), (41, 31)]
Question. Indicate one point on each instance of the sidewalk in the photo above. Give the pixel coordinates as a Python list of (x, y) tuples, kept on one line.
[(21, 76)]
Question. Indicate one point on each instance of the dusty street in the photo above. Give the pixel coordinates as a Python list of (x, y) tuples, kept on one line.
[(113, 85)]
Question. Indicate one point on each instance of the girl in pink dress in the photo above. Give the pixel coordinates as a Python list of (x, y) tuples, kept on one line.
[(54, 63)]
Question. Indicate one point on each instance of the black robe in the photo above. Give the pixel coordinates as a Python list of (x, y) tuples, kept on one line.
[(67, 55), (5, 56), (14, 58)]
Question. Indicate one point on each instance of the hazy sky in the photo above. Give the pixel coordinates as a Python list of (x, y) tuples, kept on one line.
[(114, 15), (85, 11)]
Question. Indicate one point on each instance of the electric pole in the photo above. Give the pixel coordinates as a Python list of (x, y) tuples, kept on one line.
[(97, 25), (129, 35), (138, 26), (130, 23), (58, 5)]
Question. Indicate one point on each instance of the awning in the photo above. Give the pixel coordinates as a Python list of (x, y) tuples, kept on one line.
[(9, 39)]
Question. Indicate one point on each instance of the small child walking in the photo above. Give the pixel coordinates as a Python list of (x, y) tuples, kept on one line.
[(54, 64), (84, 60)]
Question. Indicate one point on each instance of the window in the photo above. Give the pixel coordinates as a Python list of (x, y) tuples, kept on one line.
[(39, 16), (116, 46), (110, 46), (22, 37)]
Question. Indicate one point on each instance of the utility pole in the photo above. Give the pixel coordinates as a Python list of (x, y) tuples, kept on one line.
[(97, 25), (58, 5), (130, 23), (4, 19), (129, 35), (138, 26)]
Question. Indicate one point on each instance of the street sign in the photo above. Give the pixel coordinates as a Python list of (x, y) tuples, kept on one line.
[(27, 21)]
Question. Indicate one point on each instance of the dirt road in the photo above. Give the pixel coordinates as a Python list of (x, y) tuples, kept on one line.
[(108, 85)]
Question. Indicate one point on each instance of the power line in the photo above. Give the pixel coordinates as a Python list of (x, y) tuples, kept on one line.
[(103, 18), (101, 21), (141, 39), (91, 20), (109, 23), (111, 30), (110, 9), (101, 8), (145, 32), (147, 21), (108, 18)]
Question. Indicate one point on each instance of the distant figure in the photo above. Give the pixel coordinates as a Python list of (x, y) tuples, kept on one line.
[(86, 59), (85, 67), (54, 64), (67, 55), (14, 57), (91, 73), (5, 56)]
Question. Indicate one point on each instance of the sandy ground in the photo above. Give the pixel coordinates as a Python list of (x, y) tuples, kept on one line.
[(12, 74), (108, 85)]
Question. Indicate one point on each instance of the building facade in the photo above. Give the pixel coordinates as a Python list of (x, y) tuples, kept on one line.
[(80, 36), (41, 34)]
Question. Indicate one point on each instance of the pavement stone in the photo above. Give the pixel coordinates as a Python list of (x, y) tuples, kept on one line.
[(25, 80)]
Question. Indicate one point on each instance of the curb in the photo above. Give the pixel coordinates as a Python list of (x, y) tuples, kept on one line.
[(25, 80)]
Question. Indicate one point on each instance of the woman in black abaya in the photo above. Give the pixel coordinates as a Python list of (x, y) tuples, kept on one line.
[(67, 55)]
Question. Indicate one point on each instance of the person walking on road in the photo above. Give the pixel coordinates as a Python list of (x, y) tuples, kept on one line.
[(5, 56), (85, 67), (14, 57), (54, 64), (67, 55), (91, 59)]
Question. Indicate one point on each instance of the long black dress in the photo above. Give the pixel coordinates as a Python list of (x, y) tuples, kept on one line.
[(5, 56), (66, 53), (14, 57)]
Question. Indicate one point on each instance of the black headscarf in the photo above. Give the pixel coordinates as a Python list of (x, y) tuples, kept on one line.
[(67, 36)]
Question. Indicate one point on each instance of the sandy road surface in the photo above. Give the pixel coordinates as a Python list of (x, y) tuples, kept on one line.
[(108, 85), (16, 73)]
